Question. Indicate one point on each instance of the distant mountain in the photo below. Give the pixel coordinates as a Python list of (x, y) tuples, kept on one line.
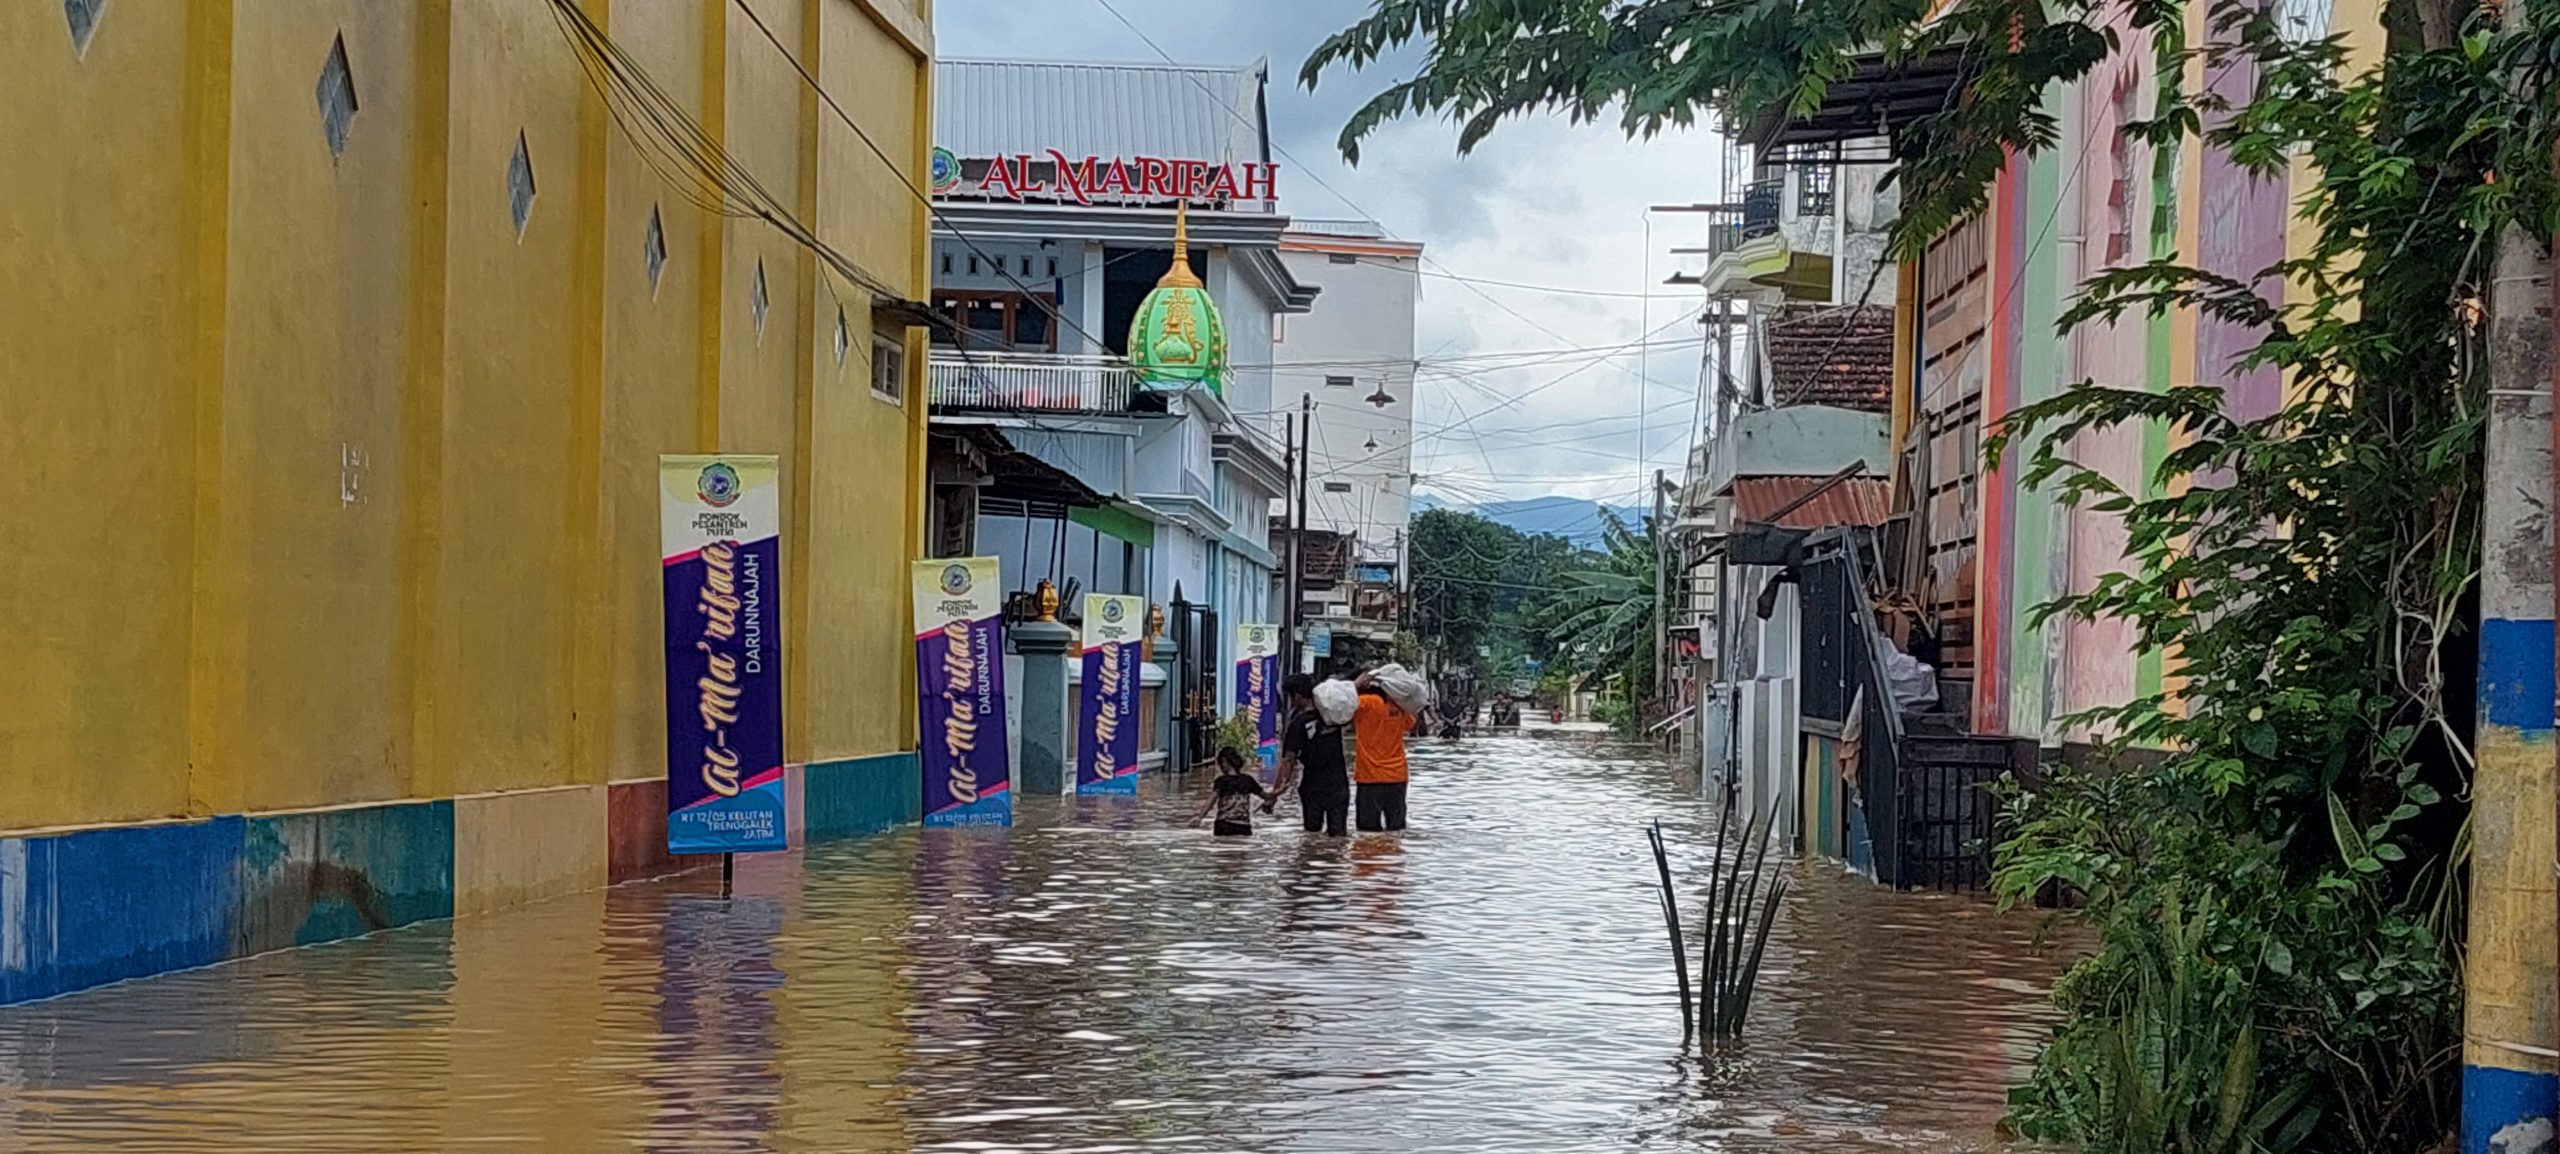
[(1572, 518)]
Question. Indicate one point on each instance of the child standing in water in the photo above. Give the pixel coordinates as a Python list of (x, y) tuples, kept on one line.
[(1232, 796)]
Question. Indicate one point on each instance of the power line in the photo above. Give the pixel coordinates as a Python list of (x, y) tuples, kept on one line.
[(908, 181)]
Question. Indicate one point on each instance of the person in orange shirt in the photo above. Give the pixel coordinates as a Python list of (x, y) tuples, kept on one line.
[(1378, 772)]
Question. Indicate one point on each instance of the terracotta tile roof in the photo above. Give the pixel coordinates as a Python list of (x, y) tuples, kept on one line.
[(1856, 501), (1833, 355)]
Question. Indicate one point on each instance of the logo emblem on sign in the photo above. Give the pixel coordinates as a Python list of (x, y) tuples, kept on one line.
[(955, 580), (946, 171), (718, 485), (1112, 613)]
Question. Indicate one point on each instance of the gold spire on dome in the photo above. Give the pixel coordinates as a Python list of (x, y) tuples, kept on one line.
[(1180, 275)]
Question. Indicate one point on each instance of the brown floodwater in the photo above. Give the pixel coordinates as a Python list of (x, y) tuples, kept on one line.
[(1099, 978)]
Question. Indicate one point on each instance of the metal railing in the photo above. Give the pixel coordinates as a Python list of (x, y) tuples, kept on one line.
[(1724, 230), (1761, 201), (1030, 382)]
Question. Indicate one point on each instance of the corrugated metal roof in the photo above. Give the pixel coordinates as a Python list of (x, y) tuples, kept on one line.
[(1856, 501), (1004, 108)]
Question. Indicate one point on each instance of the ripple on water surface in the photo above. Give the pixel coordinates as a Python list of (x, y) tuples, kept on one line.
[(1097, 979)]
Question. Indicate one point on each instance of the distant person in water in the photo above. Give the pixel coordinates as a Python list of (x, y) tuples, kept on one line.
[(1311, 759), (1231, 797), (1379, 772)]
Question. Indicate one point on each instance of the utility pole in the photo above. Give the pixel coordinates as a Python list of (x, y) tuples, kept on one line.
[(1291, 439), (1661, 635), (1306, 464), (2510, 1098)]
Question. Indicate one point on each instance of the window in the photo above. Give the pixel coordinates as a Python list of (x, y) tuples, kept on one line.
[(1337, 486), (1053, 268), (1342, 258), (946, 264), (1026, 266), (1337, 382), (1000, 321), (1031, 326), (889, 368), (1813, 190), (974, 268)]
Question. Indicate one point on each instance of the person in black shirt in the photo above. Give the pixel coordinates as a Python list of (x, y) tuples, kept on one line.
[(1311, 757)]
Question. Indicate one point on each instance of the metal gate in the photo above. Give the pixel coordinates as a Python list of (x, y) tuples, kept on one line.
[(1195, 680), (1951, 816)]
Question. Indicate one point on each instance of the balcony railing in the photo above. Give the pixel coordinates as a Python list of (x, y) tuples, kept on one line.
[(1761, 200), (1031, 382), (1724, 230)]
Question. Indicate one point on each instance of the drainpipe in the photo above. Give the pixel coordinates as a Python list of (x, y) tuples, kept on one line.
[(2509, 1094)]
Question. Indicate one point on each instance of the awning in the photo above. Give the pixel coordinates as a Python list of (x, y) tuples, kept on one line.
[(1861, 501)]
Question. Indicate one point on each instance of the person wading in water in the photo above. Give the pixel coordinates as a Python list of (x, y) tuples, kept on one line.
[(1311, 757), (1380, 773)]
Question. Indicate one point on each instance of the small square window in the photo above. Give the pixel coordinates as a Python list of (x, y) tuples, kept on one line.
[(889, 368), (653, 250), (946, 264), (83, 15), (1342, 257), (520, 186), (337, 91), (974, 268), (1337, 382), (1053, 268), (1026, 266)]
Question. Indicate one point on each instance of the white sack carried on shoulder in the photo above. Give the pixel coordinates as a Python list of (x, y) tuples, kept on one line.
[(1403, 686), (1336, 701)]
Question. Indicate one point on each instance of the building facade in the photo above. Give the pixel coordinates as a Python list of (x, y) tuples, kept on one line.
[(1347, 369), (382, 319), (1056, 189)]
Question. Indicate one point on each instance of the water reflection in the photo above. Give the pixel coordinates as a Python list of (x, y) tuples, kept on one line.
[(1100, 979)]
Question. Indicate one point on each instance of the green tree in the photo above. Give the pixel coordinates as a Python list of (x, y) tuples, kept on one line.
[(2271, 868), (1476, 582), (1600, 620)]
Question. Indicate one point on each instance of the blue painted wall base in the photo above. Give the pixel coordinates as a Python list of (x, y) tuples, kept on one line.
[(2508, 1111)]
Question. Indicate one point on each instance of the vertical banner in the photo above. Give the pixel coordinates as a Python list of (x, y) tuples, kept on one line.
[(1107, 718), (1258, 687), (967, 759), (720, 543)]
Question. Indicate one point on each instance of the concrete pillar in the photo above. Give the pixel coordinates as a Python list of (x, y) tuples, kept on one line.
[(1162, 652), (2508, 1089), (1043, 646)]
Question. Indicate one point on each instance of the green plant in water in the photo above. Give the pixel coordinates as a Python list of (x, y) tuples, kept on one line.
[(1738, 911)]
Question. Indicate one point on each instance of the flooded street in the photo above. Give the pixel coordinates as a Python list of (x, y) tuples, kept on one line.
[(1099, 978)]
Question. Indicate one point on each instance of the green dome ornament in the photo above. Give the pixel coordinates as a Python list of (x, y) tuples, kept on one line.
[(1177, 340)]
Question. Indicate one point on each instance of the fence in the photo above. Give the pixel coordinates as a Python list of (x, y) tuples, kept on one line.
[(1030, 382)]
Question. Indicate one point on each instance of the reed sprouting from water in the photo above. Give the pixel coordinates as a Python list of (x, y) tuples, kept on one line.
[(1740, 908)]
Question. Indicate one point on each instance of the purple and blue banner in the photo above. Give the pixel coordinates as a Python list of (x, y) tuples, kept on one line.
[(1107, 718), (967, 759), (720, 540), (1258, 687)]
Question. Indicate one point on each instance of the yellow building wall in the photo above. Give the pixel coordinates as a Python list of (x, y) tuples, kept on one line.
[(97, 371), (333, 487)]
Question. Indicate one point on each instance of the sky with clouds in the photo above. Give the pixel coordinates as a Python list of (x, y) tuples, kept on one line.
[(1541, 203)]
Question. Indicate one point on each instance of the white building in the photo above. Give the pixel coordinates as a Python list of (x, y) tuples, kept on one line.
[(1350, 363), (1055, 187)]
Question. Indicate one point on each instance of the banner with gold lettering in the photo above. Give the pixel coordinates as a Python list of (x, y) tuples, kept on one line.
[(968, 762), (1258, 686), (1107, 721), (720, 537)]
